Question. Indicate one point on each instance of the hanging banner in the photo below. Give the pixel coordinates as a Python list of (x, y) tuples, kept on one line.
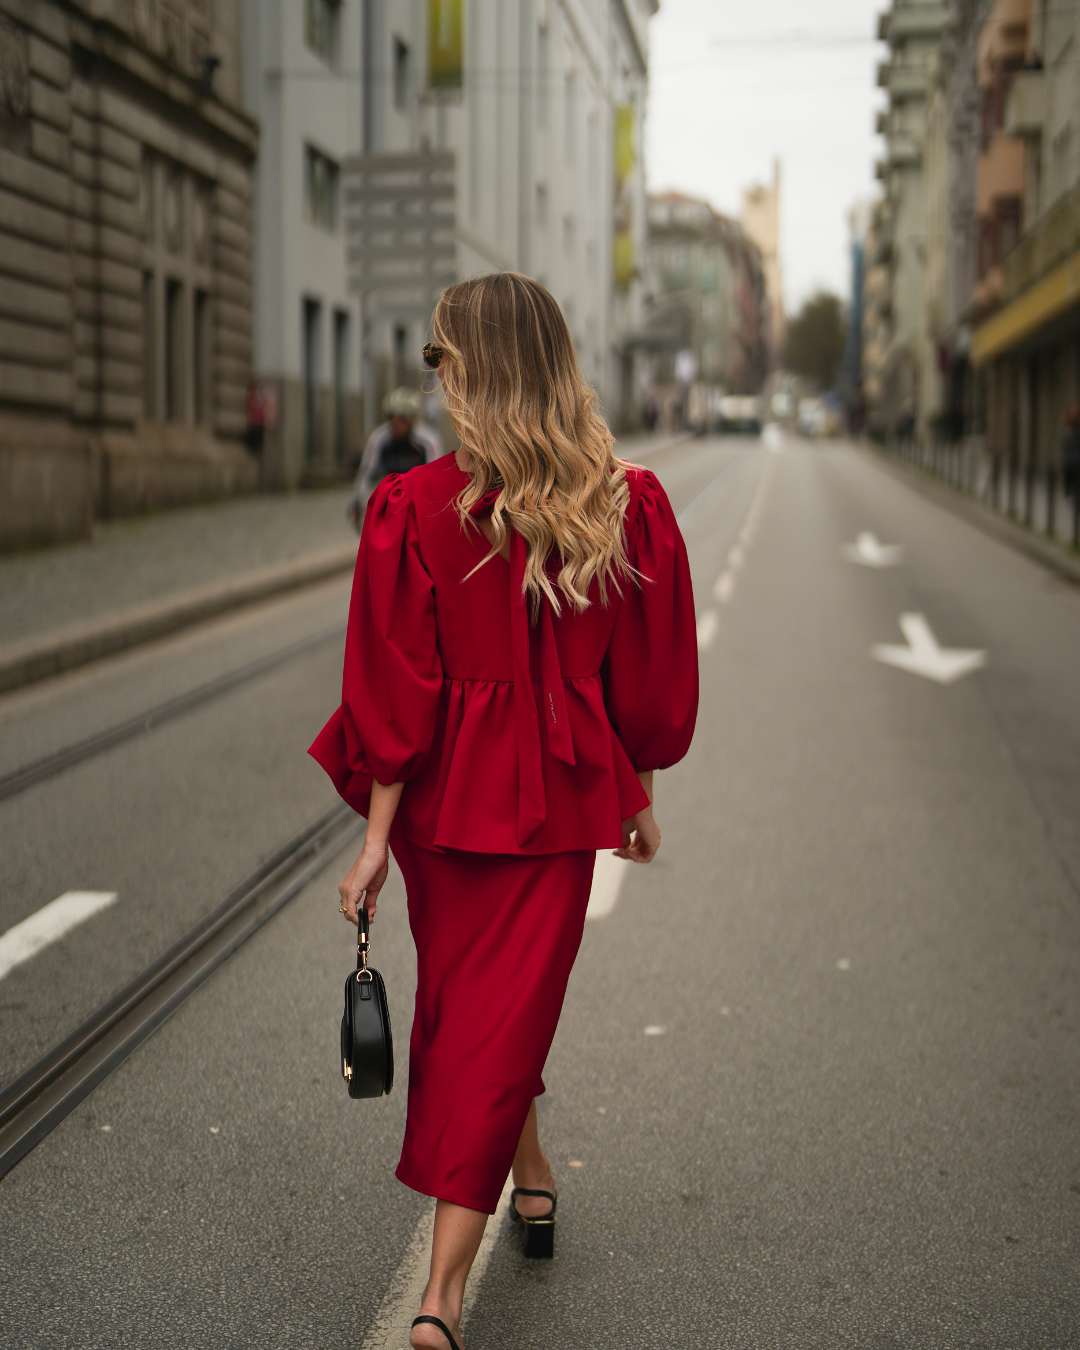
[(625, 157), (623, 253), (445, 47)]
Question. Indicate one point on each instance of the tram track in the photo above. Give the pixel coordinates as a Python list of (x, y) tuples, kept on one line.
[(35, 1102), (48, 766)]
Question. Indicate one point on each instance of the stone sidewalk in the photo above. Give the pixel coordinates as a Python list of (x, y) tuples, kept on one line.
[(149, 558), (141, 577)]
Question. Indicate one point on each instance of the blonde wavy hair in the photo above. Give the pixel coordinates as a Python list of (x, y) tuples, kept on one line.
[(531, 426)]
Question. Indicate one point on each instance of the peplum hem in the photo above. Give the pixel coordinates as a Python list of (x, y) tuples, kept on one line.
[(466, 798)]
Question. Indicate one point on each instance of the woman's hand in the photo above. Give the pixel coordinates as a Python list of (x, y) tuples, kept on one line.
[(365, 878), (641, 838)]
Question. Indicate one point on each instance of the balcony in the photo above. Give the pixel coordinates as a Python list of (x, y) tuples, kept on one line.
[(1025, 109), (1045, 244), (906, 82), (904, 151), (881, 122), (913, 21)]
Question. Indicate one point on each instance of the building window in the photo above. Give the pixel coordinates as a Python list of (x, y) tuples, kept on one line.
[(401, 351), (401, 75), (341, 382), (543, 75), (200, 366), (570, 117), (321, 21), (1007, 214), (312, 375), (321, 183), (149, 347), (174, 352)]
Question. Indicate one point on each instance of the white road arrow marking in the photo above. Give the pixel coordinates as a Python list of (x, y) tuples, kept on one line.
[(923, 656), (867, 552)]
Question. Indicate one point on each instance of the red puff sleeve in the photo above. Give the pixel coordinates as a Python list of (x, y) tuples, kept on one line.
[(393, 676), (651, 667)]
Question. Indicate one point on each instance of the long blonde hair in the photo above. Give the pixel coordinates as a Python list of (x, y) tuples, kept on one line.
[(531, 426)]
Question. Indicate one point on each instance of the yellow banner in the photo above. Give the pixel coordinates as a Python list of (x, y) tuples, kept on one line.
[(625, 155), (445, 47), (624, 260), (1038, 305)]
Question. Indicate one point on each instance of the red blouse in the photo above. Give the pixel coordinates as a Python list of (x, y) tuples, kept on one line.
[(510, 737)]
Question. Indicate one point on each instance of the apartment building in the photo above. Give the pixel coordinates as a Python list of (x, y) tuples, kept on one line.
[(501, 134), (301, 82), (760, 220), (706, 305), (125, 282), (913, 31), (1026, 331)]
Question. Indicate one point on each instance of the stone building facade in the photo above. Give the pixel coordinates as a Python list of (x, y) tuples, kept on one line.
[(302, 82), (760, 220), (1025, 345), (502, 134), (706, 306), (913, 30), (125, 261)]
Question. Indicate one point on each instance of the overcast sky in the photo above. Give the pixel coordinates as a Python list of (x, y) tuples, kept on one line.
[(734, 84)]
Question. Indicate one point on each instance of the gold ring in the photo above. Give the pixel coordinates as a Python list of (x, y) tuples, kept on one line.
[(341, 909)]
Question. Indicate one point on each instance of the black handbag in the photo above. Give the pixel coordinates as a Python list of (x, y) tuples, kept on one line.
[(367, 1043)]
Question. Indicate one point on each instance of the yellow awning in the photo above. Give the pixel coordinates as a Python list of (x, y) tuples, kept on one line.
[(1025, 315)]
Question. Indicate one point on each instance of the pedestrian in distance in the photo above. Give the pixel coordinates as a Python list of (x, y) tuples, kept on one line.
[(521, 656), (399, 444)]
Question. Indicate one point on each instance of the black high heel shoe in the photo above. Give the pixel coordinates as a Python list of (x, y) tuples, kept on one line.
[(437, 1322), (540, 1232)]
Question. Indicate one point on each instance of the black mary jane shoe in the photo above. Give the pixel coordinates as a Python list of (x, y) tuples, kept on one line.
[(540, 1232), (437, 1322)]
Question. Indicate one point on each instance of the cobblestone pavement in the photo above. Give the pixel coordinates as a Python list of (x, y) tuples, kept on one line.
[(142, 558)]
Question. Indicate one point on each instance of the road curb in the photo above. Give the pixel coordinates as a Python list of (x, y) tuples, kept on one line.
[(1039, 550), (41, 655)]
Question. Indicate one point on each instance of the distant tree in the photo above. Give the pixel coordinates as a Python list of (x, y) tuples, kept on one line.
[(814, 340)]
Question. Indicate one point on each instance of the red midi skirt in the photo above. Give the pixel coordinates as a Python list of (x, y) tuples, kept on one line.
[(496, 937)]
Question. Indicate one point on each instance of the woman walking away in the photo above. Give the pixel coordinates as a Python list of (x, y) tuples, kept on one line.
[(521, 655)]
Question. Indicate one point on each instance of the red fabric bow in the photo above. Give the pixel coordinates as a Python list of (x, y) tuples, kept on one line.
[(532, 801)]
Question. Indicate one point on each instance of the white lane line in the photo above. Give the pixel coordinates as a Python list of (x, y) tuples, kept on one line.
[(724, 588), (393, 1321), (49, 924), (707, 627), (607, 880), (494, 1230), (708, 624)]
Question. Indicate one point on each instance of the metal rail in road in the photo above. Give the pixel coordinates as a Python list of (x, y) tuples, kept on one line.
[(39, 1099), (19, 779)]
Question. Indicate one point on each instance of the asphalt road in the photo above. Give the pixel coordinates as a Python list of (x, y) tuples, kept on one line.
[(855, 1119)]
